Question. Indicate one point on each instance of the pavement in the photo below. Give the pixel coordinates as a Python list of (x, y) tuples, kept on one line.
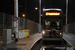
[(70, 38), (23, 44)]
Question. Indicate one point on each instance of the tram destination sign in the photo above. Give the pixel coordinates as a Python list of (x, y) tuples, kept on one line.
[(52, 14)]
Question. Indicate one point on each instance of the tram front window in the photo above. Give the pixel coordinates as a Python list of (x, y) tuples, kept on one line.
[(52, 28), (52, 24)]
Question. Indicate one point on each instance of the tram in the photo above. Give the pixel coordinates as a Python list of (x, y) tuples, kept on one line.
[(52, 24)]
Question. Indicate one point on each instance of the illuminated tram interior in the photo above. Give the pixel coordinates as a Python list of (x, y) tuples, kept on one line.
[(52, 24)]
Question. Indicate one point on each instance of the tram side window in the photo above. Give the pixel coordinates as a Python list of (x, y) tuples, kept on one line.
[(52, 24), (58, 24), (47, 24)]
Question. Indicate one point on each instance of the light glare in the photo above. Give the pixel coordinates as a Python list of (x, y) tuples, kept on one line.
[(60, 33), (36, 8), (23, 15), (43, 32), (52, 13)]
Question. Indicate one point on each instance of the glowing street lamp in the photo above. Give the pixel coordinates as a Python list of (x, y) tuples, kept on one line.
[(23, 15), (36, 8), (39, 15)]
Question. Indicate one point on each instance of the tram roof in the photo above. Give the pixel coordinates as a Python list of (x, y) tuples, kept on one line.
[(52, 9)]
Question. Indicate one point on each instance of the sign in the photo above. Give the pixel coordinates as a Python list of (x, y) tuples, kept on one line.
[(52, 13), (15, 18), (15, 24), (47, 26)]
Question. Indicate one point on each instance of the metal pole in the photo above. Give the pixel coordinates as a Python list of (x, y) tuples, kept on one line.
[(25, 7), (39, 15), (26, 26), (66, 13), (16, 22)]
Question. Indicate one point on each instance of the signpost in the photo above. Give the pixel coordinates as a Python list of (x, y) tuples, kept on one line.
[(15, 18)]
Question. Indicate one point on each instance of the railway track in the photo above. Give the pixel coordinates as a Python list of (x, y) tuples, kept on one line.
[(51, 45)]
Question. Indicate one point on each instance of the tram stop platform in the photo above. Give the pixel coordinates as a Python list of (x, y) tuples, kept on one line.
[(70, 38), (27, 43), (23, 44)]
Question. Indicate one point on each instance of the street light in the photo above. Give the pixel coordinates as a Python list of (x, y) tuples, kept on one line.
[(39, 15), (36, 8), (16, 22), (66, 13), (23, 15)]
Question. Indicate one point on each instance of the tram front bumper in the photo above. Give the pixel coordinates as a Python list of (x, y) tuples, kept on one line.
[(47, 37)]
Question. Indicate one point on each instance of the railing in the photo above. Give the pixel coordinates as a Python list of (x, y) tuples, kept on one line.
[(7, 22), (70, 28)]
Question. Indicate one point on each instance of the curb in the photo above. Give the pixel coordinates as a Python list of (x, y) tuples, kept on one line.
[(34, 44), (67, 42)]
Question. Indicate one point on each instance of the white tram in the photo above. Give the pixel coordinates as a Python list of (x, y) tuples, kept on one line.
[(52, 20)]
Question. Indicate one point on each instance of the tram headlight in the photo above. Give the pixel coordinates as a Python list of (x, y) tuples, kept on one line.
[(60, 33), (43, 32)]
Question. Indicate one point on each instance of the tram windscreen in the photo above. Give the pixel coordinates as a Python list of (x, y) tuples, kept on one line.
[(52, 24)]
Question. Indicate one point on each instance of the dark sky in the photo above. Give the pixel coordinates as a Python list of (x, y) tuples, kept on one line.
[(7, 6)]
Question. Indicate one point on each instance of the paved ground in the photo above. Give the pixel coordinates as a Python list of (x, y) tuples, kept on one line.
[(26, 43), (23, 44), (70, 38)]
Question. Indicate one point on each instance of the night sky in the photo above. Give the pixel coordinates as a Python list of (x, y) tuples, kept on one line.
[(28, 7)]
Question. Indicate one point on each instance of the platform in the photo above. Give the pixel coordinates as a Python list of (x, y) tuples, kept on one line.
[(25, 43), (70, 38)]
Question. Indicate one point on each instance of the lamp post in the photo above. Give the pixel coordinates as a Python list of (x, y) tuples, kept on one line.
[(16, 22), (66, 13), (39, 15)]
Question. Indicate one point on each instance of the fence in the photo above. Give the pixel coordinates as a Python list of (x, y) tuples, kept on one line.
[(7, 22), (28, 24), (70, 28)]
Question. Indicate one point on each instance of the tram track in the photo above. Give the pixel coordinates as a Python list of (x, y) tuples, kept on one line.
[(50, 45)]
